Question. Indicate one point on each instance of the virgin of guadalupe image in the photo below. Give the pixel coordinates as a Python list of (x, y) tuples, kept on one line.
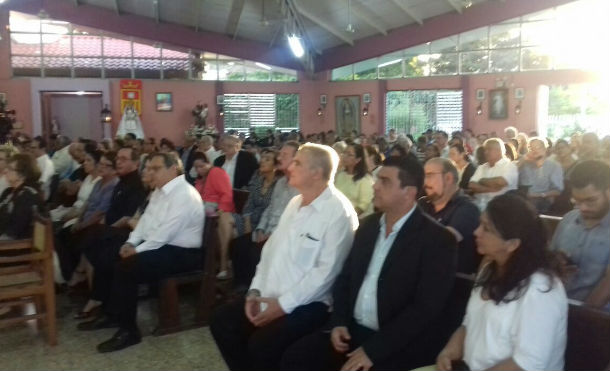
[(347, 116), (130, 123)]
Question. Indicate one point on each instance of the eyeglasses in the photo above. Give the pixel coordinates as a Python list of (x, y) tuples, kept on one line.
[(104, 164)]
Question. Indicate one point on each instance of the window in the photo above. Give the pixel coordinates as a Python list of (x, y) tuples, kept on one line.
[(556, 38), (415, 111), (260, 112), (60, 49)]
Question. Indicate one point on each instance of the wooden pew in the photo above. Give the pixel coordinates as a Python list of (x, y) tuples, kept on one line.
[(169, 308), (588, 345)]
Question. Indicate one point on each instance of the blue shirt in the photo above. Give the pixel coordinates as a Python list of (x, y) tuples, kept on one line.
[(365, 310), (100, 198), (548, 177), (588, 248)]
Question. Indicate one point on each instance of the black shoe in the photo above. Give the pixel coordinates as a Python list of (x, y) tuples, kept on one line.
[(98, 323), (121, 340)]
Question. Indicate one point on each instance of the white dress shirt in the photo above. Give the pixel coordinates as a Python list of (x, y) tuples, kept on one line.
[(503, 168), (304, 255), (365, 310), (62, 161), (212, 154), (229, 167), (46, 173), (174, 216)]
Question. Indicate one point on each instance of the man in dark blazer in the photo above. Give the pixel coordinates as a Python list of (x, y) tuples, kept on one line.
[(393, 286), (186, 153), (240, 165)]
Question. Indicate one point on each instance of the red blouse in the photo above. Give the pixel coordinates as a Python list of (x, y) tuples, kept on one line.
[(217, 188)]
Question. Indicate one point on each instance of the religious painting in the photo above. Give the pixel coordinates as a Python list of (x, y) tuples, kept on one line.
[(498, 104), (347, 113), (164, 102)]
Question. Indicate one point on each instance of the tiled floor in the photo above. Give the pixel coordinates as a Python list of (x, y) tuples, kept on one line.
[(22, 348)]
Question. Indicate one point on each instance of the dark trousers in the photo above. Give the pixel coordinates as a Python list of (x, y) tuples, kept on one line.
[(68, 249), (102, 248), (146, 267), (245, 256), (315, 352), (245, 347)]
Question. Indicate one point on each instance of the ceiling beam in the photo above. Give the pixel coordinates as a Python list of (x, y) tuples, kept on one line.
[(315, 19), (237, 7), (198, 14), (449, 24), (408, 11), (157, 10), (117, 9), (367, 15), (142, 27), (455, 6)]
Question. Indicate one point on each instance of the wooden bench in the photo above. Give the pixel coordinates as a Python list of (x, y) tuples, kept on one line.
[(588, 345), (169, 303)]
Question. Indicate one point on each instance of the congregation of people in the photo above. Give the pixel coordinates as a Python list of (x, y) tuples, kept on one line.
[(346, 251)]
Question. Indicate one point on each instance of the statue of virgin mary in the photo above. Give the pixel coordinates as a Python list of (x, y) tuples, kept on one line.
[(130, 123)]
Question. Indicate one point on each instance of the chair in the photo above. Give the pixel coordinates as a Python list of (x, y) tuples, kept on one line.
[(588, 345), (550, 223), (169, 310), (26, 275)]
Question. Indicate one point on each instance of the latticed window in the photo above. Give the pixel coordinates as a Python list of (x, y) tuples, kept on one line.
[(260, 112), (415, 111), (61, 49)]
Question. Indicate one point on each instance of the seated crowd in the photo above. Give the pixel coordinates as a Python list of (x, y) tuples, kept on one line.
[(346, 251)]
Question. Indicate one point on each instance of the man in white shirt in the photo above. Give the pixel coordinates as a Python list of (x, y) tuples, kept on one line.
[(38, 148), (392, 289), (290, 294), (62, 160), (166, 241), (441, 138), (495, 177)]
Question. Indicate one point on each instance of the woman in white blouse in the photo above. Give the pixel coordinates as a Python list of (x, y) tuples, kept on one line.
[(69, 215), (516, 317)]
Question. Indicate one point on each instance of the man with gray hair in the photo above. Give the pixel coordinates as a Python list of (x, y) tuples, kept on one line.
[(290, 294), (447, 204), (541, 176), (495, 177)]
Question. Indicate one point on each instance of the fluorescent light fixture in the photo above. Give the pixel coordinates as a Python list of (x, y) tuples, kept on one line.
[(295, 45), (390, 63), (230, 63), (80, 92), (261, 65)]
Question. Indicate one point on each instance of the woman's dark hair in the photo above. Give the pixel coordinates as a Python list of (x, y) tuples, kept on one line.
[(460, 148), (513, 217), (110, 156), (382, 143), (94, 153), (511, 151), (402, 152), (372, 151), (168, 143), (200, 156), (266, 151), (360, 169), (26, 166)]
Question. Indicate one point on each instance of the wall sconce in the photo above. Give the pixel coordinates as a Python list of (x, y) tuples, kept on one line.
[(221, 111), (480, 109), (366, 99), (322, 107), (480, 95), (106, 115), (519, 95)]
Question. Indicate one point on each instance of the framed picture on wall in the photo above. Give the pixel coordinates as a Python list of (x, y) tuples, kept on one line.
[(347, 113), (164, 102), (498, 104)]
